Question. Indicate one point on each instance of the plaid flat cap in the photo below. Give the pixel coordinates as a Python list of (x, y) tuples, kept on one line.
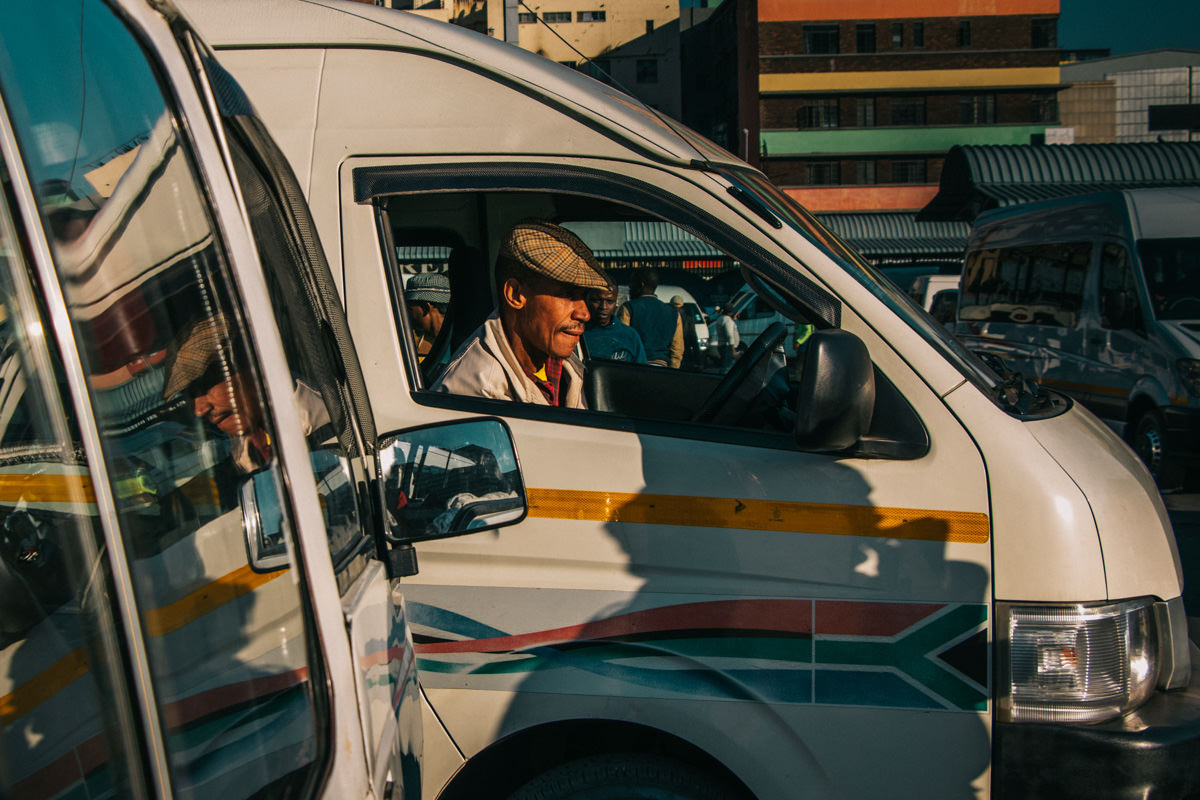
[(432, 287), (201, 345), (555, 252)]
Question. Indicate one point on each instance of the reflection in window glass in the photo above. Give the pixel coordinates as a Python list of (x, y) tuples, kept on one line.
[(1040, 284), (175, 393), (55, 613)]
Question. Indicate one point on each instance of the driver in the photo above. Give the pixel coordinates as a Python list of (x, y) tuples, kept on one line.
[(525, 351)]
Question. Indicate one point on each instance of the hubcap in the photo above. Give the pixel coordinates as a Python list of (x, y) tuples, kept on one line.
[(1150, 445)]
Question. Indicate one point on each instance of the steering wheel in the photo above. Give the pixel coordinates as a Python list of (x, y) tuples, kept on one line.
[(1179, 301), (741, 370)]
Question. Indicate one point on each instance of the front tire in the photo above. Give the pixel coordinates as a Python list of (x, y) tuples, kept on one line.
[(626, 776), (1150, 441)]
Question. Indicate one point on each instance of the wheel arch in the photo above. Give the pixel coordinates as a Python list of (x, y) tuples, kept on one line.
[(507, 764)]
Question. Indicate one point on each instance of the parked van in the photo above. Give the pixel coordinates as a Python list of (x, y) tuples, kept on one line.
[(1098, 296), (937, 294), (198, 571), (895, 576)]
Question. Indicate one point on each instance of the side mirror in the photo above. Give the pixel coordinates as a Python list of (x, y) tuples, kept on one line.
[(450, 479), (836, 394), (265, 525)]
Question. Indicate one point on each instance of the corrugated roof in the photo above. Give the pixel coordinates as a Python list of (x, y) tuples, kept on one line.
[(898, 235), (977, 178)]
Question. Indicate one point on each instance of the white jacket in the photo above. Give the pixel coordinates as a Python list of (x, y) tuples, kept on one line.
[(485, 366)]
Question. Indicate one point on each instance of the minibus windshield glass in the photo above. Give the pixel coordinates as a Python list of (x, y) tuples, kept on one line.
[(800, 220), (1172, 268)]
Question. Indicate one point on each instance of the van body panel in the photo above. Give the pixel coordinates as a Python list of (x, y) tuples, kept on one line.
[(1050, 522), (1139, 551)]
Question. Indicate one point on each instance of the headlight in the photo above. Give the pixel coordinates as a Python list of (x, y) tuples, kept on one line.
[(1188, 370), (1076, 663)]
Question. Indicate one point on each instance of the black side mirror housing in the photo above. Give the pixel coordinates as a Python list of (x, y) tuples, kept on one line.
[(836, 395)]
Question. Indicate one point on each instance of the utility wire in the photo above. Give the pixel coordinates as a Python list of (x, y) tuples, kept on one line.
[(660, 116)]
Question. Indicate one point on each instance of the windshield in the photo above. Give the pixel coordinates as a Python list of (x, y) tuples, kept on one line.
[(1172, 269), (800, 220)]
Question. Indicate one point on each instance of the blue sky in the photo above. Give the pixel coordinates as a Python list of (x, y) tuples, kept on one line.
[(1129, 26)]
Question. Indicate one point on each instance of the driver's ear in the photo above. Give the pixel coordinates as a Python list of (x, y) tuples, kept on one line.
[(512, 293)]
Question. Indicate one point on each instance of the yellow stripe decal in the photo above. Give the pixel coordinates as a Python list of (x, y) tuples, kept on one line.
[(772, 515), (43, 686), (45, 488), (211, 596), (158, 622)]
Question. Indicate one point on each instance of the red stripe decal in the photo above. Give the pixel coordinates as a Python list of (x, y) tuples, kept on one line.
[(784, 616)]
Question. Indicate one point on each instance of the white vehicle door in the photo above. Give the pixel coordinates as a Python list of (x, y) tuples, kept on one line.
[(144, 653), (685, 566)]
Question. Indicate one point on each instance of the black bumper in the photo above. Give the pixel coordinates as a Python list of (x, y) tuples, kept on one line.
[(1151, 753)]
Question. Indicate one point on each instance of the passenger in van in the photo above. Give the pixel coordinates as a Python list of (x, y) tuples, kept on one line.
[(427, 297), (608, 338), (656, 322), (208, 367), (724, 337), (691, 345), (525, 350)]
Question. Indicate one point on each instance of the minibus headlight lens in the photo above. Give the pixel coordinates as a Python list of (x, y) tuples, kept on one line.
[(1079, 663), (1189, 373)]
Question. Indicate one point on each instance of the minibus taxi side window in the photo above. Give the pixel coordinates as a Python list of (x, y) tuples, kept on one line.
[(176, 402), (473, 223), (66, 713)]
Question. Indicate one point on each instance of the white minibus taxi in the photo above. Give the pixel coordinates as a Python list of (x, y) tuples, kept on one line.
[(873, 571), (201, 531), (1098, 296)]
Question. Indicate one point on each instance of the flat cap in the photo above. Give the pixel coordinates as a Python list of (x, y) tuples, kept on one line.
[(200, 346), (432, 287), (553, 251)]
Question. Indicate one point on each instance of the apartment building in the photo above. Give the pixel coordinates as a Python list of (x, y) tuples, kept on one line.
[(860, 100)]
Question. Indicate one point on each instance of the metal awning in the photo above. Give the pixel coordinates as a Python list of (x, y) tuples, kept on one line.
[(898, 236), (978, 178)]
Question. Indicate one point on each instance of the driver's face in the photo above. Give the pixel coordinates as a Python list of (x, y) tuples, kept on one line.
[(551, 319), (232, 405)]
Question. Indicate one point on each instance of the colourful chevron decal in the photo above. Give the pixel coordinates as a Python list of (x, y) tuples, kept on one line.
[(903, 655)]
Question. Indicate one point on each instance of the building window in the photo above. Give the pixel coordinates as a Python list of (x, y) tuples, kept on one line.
[(864, 37), (589, 16), (1045, 33), (1045, 107), (977, 109), (897, 35), (822, 173), (908, 111), (908, 171), (649, 27), (647, 70), (864, 112), (818, 112), (526, 19), (821, 39), (864, 172), (918, 39), (964, 33), (556, 16)]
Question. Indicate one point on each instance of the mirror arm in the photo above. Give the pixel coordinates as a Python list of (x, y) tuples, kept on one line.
[(401, 560)]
